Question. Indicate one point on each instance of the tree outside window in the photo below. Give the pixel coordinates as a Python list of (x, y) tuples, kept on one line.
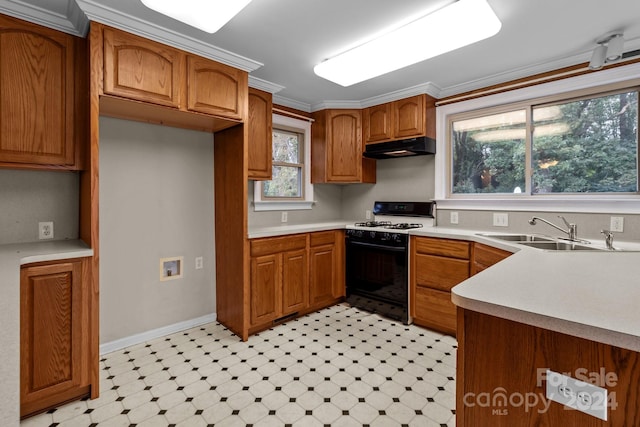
[(288, 167)]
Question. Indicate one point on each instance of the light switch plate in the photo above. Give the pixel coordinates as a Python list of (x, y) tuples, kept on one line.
[(617, 224), (453, 218), (501, 219)]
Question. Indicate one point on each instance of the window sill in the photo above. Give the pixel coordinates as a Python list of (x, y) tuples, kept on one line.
[(586, 204), (282, 206)]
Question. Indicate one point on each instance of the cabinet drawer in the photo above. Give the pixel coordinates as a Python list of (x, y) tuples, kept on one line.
[(439, 272), (273, 245), (323, 238), (443, 247), (434, 309)]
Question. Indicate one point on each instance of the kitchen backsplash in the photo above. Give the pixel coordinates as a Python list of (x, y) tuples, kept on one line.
[(29, 197)]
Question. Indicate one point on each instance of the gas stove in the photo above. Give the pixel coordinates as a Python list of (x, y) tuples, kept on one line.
[(377, 257)]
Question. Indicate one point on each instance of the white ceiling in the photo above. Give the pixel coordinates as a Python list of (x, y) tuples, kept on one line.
[(279, 41)]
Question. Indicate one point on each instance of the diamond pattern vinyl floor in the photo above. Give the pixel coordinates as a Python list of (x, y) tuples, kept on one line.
[(337, 367)]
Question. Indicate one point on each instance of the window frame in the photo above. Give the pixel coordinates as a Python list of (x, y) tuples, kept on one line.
[(612, 80), (260, 203), (301, 153)]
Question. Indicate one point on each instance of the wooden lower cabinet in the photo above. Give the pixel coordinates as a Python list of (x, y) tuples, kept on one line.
[(54, 335), (326, 279), (485, 256), (501, 381), (293, 275), (437, 265)]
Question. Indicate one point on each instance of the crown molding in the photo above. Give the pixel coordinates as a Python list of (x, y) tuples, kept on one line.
[(429, 88), (291, 103), (74, 22), (345, 105), (114, 18), (264, 85)]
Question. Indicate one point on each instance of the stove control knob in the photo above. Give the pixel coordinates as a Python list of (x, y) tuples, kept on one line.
[(372, 234), (386, 236)]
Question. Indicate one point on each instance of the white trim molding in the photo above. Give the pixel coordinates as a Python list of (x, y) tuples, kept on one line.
[(74, 22), (121, 343), (289, 205), (551, 203)]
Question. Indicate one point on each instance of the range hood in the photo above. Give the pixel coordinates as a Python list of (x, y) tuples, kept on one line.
[(403, 148)]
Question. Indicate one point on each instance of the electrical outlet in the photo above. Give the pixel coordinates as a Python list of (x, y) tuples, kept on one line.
[(367, 214), (199, 263), (284, 217), (584, 397), (453, 217), (617, 224), (45, 230), (501, 219)]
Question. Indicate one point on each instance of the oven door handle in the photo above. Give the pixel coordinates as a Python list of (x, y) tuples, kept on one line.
[(378, 246)]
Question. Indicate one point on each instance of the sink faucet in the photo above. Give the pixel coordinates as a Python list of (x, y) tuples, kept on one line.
[(572, 232), (608, 239)]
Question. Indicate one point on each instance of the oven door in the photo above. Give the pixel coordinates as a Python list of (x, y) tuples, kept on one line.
[(377, 278)]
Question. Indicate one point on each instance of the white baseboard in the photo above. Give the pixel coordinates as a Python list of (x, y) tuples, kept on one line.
[(155, 333)]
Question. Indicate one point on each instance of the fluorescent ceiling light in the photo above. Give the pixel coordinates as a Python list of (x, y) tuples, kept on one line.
[(207, 15), (459, 24)]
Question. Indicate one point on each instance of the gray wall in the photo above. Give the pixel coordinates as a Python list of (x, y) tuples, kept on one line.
[(589, 224), (156, 201), (402, 179), (29, 197), (327, 207)]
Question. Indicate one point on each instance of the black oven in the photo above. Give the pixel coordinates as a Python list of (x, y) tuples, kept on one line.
[(376, 272)]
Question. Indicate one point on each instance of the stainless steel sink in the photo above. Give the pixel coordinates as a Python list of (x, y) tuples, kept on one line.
[(560, 246), (517, 238)]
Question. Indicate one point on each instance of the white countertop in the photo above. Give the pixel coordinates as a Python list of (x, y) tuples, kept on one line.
[(11, 258), (588, 294)]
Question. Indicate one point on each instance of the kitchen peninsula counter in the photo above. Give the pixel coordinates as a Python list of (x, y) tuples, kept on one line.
[(12, 256)]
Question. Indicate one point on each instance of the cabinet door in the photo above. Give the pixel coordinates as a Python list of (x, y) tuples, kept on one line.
[(51, 334), (266, 273), (378, 125), (323, 274), (433, 309), (260, 134), (409, 117), (295, 284), (216, 89), (36, 94), (344, 146), (141, 69), (485, 256)]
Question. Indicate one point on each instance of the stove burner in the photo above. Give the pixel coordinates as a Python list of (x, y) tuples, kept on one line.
[(373, 224), (403, 226)]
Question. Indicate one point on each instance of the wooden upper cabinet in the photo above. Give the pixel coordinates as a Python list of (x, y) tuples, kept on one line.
[(260, 134), (142, 69), (406, 118), (409, 117), (38, 96), (216, 89), (336, 148), (378, 125)]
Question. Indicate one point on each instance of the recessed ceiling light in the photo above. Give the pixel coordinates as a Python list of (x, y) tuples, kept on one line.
[(459, 24), (207, 15)]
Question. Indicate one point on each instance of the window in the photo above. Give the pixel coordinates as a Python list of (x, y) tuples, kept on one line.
[(288, 167), (582, 145), (290, 187)]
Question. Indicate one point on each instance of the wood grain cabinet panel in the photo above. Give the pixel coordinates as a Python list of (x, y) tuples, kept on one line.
[(216, 89), (378, 123), (278, 283), (437, 266), (53, 335), (142, 69), (295, 289), (38, 96), (336, 148), (326, 259), (409, 115), (265, 293), (485, 256), (260, 134)]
